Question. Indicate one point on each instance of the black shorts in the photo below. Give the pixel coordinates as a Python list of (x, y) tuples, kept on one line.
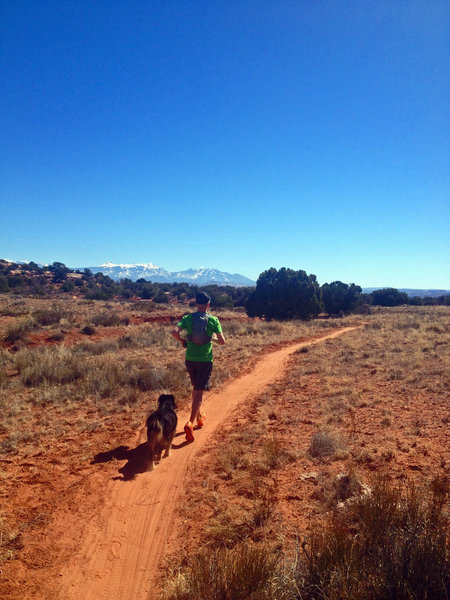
[(200, 374)]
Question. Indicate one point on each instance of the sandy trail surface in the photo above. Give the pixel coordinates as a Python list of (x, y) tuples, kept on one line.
[(120, 555)]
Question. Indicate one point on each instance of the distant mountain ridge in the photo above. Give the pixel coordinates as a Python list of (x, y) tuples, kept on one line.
[(205, 276), (151, 272)]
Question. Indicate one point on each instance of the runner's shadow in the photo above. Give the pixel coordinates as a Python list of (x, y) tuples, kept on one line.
[(137, 460), (182, 445)]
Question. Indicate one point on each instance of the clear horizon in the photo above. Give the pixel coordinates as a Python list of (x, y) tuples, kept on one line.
[(241, 135)]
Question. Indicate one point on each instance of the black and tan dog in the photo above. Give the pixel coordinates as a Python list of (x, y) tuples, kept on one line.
[(161, 427)]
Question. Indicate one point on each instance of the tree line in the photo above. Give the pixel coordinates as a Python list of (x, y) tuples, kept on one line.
[(30, 278), (279, 294)]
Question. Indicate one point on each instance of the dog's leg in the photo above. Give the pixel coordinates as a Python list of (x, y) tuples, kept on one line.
[(151, 457), (158, 453), (169, 447)]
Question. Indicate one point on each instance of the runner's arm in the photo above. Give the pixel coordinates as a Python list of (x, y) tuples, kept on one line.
[(220, 339), (177, 336)]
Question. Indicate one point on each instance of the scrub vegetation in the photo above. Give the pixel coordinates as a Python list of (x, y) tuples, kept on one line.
[(331, 484), (339, 479)]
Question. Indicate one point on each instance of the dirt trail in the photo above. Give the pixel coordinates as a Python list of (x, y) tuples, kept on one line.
[(125, 542)]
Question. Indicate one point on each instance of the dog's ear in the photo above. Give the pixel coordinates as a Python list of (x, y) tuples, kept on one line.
[(171, 397), (165, 397)]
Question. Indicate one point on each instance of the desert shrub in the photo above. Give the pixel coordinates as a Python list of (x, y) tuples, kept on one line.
[(88, 330), (243, 572), (383, 545), (263, 508), (225, 530), (5, 360), (230, 459), (175, 377), (10, 541), (274, 454), (153, 334), (325, 445), (235, 328), (103, 376), (48, 365), (126, 341), (106, 376), (49, 316), (18, 330), (109, 319), (273, 328), (16, 309), (144, 306), (57, 336), (95, 348), (143, 376)]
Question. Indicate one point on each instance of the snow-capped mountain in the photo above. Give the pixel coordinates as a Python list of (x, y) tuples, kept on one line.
[(147, 271), (151, 272), (207, 275)]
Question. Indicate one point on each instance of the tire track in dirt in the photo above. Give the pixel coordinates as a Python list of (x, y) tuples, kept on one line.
[(120, 555)]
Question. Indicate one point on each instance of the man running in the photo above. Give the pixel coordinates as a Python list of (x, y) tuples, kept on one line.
[(201, 328)]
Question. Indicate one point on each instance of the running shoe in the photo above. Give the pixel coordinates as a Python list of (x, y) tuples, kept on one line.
[(201, 418), (189, 431)]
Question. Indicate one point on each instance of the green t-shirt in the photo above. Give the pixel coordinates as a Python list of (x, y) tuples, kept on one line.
[(204, 352)]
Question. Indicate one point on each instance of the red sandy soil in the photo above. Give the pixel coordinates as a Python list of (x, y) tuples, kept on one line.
[(109, 532)]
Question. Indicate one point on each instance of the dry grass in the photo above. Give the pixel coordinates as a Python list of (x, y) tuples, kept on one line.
[(338, 391), (349, 393), (245, 571), (390, 543), (123, 367), (326, 445)]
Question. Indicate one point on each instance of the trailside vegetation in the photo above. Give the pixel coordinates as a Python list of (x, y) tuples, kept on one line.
[(340, 297), (285, 294)]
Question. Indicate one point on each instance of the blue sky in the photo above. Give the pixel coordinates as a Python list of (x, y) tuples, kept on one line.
[(239, 135)]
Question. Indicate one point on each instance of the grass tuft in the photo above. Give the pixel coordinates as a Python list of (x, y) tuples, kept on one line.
[(243, 572), (387, 544), (325, 445)]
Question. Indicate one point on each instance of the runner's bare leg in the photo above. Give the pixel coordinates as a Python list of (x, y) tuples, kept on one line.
[(197, 398)]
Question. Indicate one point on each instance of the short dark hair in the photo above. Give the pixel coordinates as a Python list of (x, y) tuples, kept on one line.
[(202, 298)]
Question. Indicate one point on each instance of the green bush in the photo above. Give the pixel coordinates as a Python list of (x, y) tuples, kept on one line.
[(285, 294)]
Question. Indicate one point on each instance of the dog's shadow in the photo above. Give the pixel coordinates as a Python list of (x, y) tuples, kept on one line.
[(137, 459)]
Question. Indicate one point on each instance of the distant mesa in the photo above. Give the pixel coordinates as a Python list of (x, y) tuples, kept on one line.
[(151, 272), (411, 292)]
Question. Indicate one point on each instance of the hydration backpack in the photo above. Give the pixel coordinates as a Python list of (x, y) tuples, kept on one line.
[(199, 325)]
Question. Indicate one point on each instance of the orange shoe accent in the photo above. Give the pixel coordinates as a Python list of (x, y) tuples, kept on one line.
[(189, 431), (201, 418)]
